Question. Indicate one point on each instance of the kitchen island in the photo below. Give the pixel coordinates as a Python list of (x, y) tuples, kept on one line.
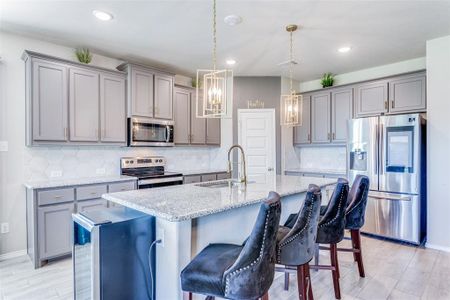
[(191, 216)]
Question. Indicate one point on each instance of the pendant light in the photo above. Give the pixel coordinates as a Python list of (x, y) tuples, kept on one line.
[(291, 104), (214, 89)]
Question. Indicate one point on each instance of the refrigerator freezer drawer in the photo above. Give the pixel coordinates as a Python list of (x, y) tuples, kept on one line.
[(395, 216)]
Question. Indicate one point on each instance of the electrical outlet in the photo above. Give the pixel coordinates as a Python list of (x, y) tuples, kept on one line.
[(160, 236), (3, 146), (4, 228), (100, 171), (55, 174)]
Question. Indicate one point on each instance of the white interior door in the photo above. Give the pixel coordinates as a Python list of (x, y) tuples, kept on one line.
[(256, 134)]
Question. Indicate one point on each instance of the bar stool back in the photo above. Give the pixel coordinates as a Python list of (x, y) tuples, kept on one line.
[(238, 271)]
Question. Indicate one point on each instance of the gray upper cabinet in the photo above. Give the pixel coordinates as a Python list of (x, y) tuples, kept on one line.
[(69, 103), (407, 93), (48, 101), (302, 134), (55, 230), (141, 92), (198, 125), (163, 97), (112, 108), (213, 131), (182, 105), (371, 98), (341, 112), (320, 118), (84, 105)]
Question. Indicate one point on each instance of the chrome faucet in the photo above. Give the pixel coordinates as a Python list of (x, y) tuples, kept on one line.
[(243, 178)]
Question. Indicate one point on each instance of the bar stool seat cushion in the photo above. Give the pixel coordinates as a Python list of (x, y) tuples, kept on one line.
[(204, 274)]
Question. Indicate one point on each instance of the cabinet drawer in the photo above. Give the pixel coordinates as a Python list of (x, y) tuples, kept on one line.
[(89, 205), (209, 177), (55, 196), (192, 179), (121, 187), (221, 176), (91, 192)]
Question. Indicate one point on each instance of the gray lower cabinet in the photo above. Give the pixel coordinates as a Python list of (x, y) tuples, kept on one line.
[(341, 112), (192, 179), (84, 105), (302, 134), (371, 98), (221, 176), (49, 216), (320, 118), (209, 177), (47, 92), (55, 230), (112, 109), (203, 177), (407, 94), (69, 103), (94, 204)]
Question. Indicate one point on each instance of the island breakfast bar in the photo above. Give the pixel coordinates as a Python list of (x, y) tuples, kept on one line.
[(191, 216)]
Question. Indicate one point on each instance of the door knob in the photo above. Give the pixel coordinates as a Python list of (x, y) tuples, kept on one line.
[(270, 169)]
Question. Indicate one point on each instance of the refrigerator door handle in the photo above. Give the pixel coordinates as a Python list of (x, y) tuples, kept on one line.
[(375, 153), (381, 150)]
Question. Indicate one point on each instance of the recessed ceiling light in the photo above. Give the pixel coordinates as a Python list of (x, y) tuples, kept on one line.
[(101, 15), (232, 20), (231, 62), (345, 49)]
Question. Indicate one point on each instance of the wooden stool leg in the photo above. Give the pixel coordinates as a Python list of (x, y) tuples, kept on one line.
[(356, 237), (335, 271), (265, 296), (286, 281), (301, 282), (309, 283)]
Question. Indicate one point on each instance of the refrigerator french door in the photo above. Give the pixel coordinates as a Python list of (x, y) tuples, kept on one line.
[(390, 151)]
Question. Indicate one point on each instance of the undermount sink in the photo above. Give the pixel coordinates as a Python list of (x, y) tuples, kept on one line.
[(219, 183)]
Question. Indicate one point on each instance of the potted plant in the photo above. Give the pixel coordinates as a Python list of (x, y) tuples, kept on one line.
[(83, 55), (327, 80)]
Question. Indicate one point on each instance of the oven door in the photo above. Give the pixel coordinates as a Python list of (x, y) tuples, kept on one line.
[(145, 132), (158, 182)]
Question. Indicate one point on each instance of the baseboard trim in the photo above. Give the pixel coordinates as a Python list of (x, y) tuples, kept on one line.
[(13, 254), (437, 247)]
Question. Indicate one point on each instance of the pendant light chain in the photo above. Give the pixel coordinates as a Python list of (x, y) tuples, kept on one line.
[(291, 60), (214, 35)]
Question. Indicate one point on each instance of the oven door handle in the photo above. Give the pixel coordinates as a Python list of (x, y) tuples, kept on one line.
[(160, 180)]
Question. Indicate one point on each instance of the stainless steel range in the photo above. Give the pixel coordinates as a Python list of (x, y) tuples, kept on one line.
[(150, 171)]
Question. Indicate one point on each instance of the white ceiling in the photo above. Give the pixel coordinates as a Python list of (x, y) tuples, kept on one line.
[(178, 35)]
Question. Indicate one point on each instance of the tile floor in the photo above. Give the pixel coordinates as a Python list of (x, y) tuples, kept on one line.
[(393, 271)]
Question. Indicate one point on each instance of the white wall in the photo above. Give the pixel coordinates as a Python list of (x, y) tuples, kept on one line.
[(370, 73), (438, 144), (21, 163)]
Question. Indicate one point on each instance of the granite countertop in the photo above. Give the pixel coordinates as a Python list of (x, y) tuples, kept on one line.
[(189, 201), (318, 171), (53, 183), (199, 171)]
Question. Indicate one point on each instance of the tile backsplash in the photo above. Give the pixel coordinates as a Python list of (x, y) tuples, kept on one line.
[(42, 163), (322, 158)]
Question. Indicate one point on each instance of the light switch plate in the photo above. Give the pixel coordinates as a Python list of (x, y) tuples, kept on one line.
[(3, 146)]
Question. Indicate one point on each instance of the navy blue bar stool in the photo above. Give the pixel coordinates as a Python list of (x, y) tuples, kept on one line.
[(238, 271)]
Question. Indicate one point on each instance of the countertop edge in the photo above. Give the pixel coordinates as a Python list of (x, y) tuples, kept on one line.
[(75, 182)]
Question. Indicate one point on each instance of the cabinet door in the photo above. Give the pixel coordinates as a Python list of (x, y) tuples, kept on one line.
[(89, 205), (302, 134), (407, 94), (198, 125), (341, 112), (213, 135), (141, 93), (371, 98), (112, 108), (320, 118), (84, 105), (55, 230), (192, 179), (182, 100), (163, 97), (49, 101)]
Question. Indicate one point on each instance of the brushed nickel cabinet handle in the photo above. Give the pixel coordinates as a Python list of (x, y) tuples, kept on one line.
[(58, 197), (386, 105), (65, 132), (393, 104), (334, 135)]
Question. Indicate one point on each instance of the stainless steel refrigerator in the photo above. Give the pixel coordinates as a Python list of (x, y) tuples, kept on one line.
[(390, 150)]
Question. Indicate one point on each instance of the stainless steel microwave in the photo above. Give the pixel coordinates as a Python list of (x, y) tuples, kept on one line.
[(151, 133)]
